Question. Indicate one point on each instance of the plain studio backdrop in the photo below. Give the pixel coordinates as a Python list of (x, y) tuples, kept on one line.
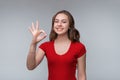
[(97, 20)]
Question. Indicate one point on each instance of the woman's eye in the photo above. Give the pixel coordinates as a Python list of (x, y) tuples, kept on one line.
[(64, 21)]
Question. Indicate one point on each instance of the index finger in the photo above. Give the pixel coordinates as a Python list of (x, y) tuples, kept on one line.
[(37, 24)]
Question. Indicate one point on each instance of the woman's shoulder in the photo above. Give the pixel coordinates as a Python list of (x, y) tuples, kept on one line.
[(46, 43), (80, 47), (78, 43)]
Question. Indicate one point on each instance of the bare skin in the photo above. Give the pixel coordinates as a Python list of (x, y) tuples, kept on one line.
[(35, 57)]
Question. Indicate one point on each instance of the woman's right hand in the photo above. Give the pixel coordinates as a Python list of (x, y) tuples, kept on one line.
[(38, 34)]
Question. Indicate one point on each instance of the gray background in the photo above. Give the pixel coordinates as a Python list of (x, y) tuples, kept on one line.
[(97, 20)]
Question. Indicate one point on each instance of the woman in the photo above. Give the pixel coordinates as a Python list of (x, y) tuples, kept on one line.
[(64, 51)]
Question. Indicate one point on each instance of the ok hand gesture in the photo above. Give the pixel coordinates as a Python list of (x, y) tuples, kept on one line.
[(38, 34)]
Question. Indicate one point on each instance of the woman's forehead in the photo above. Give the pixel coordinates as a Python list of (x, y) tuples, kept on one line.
[(61, 16)]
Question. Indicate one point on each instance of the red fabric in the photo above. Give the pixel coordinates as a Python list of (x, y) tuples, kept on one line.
[(62, 67)]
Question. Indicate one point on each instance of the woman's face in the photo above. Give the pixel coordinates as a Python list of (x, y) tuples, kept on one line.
[(61, 24)]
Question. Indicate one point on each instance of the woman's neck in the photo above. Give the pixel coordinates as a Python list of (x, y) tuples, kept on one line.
[(62, 38)]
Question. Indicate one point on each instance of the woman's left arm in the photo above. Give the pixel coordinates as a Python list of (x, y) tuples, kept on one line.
[(82, 68)]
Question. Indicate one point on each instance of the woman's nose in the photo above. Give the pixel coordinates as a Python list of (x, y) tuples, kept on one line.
[(59, 23)]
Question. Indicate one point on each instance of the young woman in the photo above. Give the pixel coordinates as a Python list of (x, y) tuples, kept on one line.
[(64, 52)]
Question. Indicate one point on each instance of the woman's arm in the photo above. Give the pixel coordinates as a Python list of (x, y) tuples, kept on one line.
[(82, 68), (35, 57)]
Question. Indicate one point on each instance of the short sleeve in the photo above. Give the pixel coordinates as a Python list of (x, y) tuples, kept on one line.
[(82, 51), (43, 46)]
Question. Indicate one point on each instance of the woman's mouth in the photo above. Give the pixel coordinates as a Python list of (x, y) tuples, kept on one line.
[(59, 29)]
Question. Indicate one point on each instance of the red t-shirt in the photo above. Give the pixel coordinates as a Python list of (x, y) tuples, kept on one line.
[(62, 67)]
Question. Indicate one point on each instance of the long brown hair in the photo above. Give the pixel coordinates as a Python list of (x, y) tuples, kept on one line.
[(73, 33)]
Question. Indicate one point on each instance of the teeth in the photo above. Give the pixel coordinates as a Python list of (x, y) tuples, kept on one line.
[(59, 29)]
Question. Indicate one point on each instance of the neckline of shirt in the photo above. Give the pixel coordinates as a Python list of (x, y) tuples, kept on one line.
[(65, 53)]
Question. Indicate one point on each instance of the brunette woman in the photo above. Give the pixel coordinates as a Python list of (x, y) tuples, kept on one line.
[(64, 52)]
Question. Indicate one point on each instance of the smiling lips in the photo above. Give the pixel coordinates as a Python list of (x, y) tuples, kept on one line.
[(59, 29)]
